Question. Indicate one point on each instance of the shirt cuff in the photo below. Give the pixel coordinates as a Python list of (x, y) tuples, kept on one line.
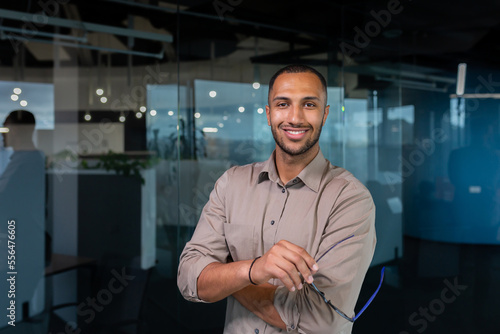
[(194, 273), (285, 304)]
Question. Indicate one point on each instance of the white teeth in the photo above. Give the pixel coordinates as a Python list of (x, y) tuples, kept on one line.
[(296, 132)]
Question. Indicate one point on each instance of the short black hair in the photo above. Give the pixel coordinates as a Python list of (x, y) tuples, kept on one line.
[(298, 68), (21, 117)]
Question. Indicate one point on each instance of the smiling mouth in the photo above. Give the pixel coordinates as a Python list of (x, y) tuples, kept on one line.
[(295, 132)]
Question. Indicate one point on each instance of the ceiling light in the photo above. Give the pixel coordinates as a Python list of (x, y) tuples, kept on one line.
[(17, 91), (461, 73), (241, 109), (212, 93), (260, 110), (142, 109), (138, 115), (121, 118), (104, 99), (14, 97), (99, 91), (152, 112), (213, 130), (23, 103), (197, 115), (87, 117), (170, 113), (256, 85)]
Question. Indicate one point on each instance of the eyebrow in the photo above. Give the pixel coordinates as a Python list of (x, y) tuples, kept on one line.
[(304, 98)]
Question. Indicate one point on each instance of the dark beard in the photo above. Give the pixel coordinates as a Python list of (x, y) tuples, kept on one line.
[(307, 146)]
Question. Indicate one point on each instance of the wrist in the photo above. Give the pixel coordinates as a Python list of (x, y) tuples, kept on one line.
[(250, 271)]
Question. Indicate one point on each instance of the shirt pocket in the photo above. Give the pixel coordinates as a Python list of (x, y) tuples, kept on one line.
[(240, 241)]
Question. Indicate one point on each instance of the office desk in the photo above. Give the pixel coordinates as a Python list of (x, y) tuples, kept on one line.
[(61, 263)]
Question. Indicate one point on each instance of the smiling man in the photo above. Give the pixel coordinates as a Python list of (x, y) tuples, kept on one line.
[(266, 233)]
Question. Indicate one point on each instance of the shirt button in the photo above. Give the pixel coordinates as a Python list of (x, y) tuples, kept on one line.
[(272, 222), (283, 190), (256, 331), (292, 326)]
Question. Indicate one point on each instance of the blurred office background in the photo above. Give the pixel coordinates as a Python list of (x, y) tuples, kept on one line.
[(141, 105)]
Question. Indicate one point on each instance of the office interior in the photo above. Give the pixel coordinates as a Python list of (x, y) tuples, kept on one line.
[(141, 105)]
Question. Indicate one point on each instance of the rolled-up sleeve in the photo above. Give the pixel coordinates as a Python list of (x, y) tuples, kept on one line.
[(342, 270), (208, 243)]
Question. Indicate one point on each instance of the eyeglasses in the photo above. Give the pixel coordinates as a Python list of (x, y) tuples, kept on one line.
[(336, 309)]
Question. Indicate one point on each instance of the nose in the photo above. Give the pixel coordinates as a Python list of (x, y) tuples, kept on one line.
[(296, 115)]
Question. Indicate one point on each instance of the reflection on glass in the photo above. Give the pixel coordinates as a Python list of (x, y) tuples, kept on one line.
[(474, 171), (22, 221), (40, 98)]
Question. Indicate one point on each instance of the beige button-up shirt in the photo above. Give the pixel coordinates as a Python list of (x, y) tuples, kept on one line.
[(250, 210)]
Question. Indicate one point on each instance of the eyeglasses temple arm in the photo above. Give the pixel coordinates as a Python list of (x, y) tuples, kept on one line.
[(329, 249), (373, 296)]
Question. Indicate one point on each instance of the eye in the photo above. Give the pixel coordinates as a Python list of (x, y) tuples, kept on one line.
[(310, 105), (282, 104)]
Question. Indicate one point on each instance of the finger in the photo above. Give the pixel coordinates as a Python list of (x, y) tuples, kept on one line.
[(291, 270), (300, 267), (309, 260), (282, 266), (288, 280), (304, 263)]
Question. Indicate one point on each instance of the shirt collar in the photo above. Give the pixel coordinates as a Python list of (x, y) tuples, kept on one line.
[(269, 171), (311, 175)]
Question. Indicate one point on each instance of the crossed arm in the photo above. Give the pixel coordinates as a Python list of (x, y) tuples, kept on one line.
[(283, 261)]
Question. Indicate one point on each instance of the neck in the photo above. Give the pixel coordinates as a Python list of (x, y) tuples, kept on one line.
[(289, 166)]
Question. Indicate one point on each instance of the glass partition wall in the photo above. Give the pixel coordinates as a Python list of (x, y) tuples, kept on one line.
[(135, 126)]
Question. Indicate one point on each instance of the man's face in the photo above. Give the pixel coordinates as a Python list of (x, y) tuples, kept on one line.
[(296, 112)]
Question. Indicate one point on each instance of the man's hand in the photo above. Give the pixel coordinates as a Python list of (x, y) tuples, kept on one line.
[(286, 262)]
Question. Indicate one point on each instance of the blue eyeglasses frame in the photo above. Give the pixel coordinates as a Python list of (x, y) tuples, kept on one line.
[(336, 309)]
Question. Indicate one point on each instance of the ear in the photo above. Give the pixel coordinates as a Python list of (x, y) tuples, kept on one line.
[(325, 115), (268, 115)]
